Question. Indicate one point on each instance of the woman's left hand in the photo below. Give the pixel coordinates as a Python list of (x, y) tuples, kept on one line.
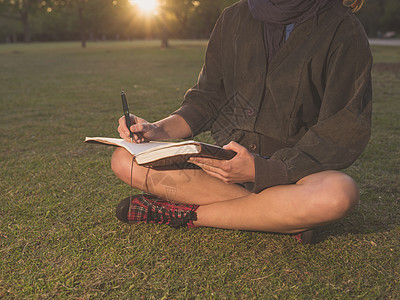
[(239, 169)]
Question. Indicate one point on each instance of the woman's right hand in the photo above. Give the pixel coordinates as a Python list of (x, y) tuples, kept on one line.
[(143, 131)]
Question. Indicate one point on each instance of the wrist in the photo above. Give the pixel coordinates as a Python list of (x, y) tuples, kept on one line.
[(172, 127), (157, 132)]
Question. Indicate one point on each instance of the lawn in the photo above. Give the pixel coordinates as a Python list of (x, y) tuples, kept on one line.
[(58, 234)]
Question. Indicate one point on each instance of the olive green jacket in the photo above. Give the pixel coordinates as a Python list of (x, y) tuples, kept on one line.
[(309, 112)]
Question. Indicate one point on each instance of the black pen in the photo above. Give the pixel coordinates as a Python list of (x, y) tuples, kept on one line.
[(126, 114)]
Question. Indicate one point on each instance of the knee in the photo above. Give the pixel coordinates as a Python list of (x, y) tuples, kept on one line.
[(126, 170), (341, 194), (120, 162)]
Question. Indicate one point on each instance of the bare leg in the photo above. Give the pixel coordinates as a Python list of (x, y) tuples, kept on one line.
[(190, 186), (315, 200)]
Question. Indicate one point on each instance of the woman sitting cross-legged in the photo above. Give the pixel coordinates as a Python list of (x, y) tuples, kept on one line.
[(287, 86)]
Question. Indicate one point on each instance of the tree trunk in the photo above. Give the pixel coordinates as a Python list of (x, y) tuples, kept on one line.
[(25, 25), (82, 24), (164, 38), (164, 32)]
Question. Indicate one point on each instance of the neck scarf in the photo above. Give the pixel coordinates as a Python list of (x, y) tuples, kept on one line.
[(276, 14)]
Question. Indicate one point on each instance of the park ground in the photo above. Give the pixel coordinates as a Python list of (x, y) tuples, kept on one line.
[(58, 234)]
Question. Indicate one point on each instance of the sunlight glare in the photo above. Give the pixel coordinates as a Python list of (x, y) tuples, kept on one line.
[(148, 6)]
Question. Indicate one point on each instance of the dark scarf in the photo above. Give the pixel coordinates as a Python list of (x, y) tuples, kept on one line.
[(276, 14)]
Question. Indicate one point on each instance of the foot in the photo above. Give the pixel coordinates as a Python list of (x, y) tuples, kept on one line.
[(149, 209), (305, 237)]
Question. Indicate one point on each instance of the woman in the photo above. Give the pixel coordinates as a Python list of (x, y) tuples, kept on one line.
[(286, 85)]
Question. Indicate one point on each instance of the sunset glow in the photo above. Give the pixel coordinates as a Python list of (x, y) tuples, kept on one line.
[(147, 6)]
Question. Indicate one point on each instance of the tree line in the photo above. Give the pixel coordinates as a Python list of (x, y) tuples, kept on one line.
[(60, 20), (380, 16)]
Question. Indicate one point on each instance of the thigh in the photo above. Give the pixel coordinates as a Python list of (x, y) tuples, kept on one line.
[(191, 186), (182, 185), (314, 200)]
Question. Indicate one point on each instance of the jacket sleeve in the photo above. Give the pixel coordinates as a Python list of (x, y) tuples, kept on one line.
[(203, 101), (344, 123)]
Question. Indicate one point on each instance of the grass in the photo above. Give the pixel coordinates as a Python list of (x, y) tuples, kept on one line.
[(58, 234)]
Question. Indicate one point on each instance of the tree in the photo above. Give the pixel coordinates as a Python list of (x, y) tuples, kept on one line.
[(91, 19), (8, 30), (380, 15), (370, 15), (193, 18), (181, 11), (21, 10), (100, 19), (391, 17)]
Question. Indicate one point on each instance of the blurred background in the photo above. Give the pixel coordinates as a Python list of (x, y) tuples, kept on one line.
[(100, 20)]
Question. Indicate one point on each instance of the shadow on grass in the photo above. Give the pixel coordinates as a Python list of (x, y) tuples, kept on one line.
[(367, 218)]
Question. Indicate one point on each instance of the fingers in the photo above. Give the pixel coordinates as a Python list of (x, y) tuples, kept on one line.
[(241, 168), (137, 120), (122, 123), (136, 129), (219, 176), (214, 167), (208, 162), (123, 129), (235, 147)]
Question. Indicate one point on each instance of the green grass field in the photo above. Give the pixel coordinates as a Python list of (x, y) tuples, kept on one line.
[(58, 234)]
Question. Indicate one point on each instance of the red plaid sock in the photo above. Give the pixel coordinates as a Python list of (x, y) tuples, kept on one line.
[(149, 209), (305, 237)]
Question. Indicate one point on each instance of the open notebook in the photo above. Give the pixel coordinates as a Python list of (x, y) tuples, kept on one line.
[(155, 154)]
